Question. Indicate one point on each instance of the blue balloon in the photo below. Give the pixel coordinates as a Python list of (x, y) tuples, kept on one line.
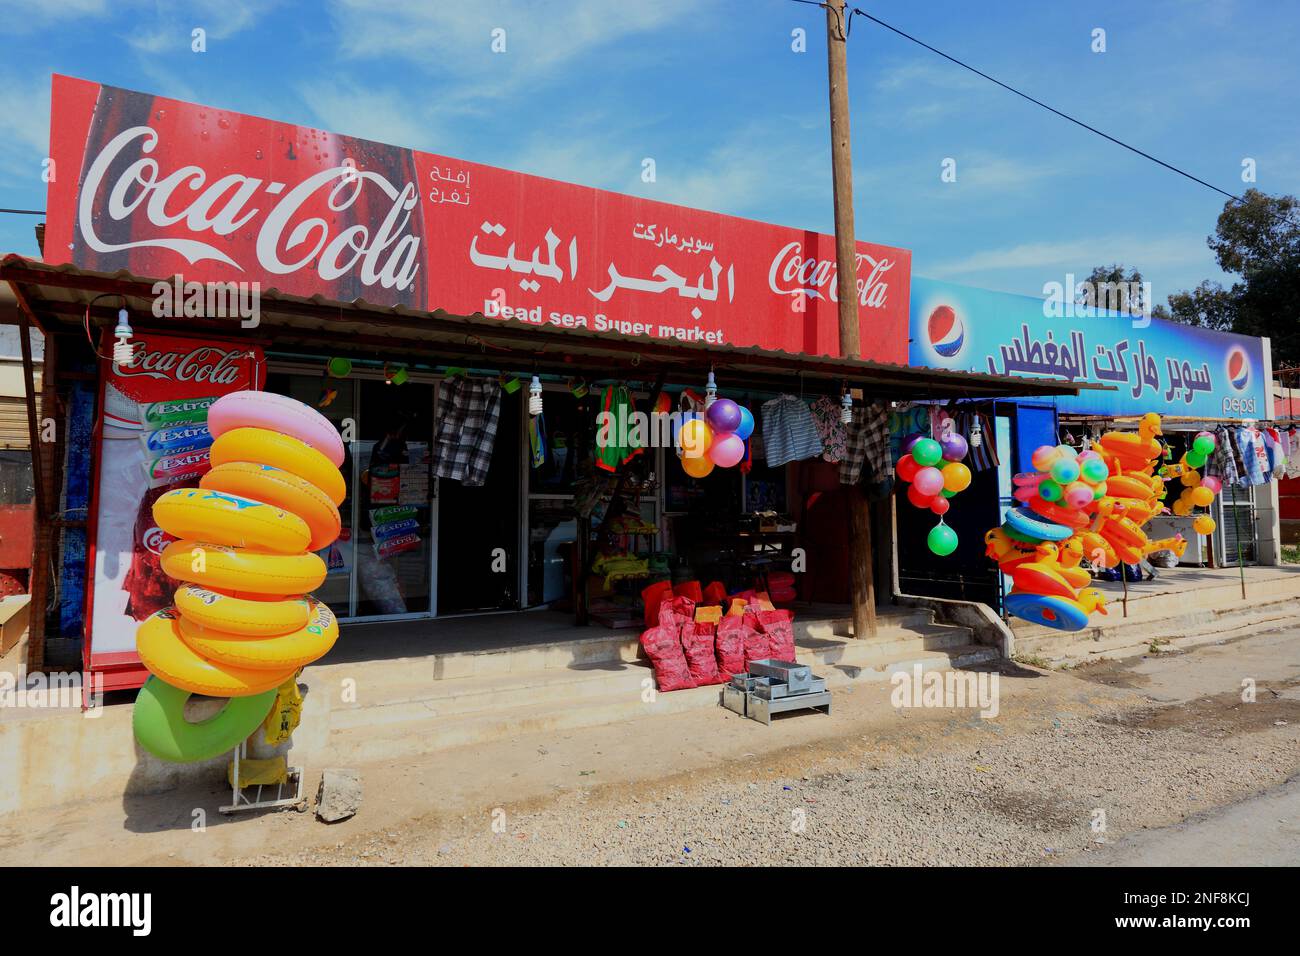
[(746, 427)]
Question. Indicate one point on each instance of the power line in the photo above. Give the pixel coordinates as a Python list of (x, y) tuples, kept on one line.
[(25, 212), (848, 28)]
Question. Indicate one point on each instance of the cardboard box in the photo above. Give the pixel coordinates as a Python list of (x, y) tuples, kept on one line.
[(14, 615)]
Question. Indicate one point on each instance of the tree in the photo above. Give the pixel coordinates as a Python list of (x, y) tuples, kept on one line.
[(1208, 306), (1108, 287), (1259, 232)]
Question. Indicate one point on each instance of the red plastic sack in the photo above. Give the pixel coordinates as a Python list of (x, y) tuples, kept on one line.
[(779, 628), (664, 649), (697, 644), (690, 589), (715, 593), (729, 644), (676, 612), (652, 596), (755, 640)]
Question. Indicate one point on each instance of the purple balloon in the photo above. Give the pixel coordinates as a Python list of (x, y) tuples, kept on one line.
[(954, 447), (910, 441), (723, 415)]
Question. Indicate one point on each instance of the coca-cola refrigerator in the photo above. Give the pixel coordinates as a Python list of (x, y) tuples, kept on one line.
[(152, 436)]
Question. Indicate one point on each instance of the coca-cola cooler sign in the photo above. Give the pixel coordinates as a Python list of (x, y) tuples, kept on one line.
[(161, 187), (154, 438)]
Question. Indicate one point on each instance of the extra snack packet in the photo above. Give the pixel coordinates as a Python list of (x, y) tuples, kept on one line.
[(176, 439), (176, 411), (169, 469)]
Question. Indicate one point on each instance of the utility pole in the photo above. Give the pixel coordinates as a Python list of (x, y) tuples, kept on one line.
[(861, 566)]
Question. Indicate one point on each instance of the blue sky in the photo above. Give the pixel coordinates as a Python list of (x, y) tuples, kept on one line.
[(734, 118)]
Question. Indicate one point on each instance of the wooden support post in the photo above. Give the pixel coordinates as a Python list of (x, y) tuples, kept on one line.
[(862, 576)]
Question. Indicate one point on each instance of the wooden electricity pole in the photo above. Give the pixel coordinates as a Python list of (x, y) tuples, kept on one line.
[(862, 576)]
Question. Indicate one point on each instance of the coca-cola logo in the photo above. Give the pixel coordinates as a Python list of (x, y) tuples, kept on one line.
[(155, 539), (205, 365), (792, 274), (288, 239)]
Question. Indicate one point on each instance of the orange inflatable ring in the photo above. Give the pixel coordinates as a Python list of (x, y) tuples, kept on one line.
[(280, 488), (222, 518), (225, 568), (161, 649), (286, 651), (280, 451), (1054, 512), (250, 615), (1034, 577)]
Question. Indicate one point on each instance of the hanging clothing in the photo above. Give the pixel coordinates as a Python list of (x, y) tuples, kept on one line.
[(467, 429), (1276, 454), (788, 431), (867, 446), (1222, 464), (909, 420), (826, 417), (1254, 456), (615, 443)]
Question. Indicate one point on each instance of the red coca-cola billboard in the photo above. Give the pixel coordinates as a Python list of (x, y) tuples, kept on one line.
[(161, 187)]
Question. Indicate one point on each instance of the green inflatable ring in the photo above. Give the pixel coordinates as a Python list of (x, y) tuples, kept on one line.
[(161, 728)]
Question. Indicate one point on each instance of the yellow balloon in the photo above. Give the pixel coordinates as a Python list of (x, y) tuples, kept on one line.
[(956, 477), (694, 439), (1182, 508), (1191, 479), (1202, 497), (697, 467), (1204, 524)]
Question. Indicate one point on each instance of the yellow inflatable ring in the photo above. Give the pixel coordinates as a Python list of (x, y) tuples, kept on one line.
[(238, 569), (280, 488), (287, 651), (171, 660), (230, 519), (250, 615), (271, 448)]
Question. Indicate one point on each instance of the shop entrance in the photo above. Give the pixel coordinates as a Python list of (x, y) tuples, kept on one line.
[(478, 529)]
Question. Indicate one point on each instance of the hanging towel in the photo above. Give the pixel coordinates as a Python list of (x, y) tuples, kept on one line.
[(615, 444), (467, 430)]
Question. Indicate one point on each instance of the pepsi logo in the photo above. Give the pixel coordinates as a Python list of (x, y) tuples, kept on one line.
[(945, 331), (1238, 367)]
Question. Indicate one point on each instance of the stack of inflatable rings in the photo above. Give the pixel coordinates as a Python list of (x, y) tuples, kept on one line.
[(1051, 610), (243, 622)]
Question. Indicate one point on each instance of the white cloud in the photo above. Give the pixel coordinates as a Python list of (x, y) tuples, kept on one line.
[(385, 116), (24, 129)]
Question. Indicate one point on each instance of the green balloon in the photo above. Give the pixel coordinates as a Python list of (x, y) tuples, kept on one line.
[(947, 493), (1095, 470), (1203, 445), (927, 452), (942, 540), (1195, 459), (1049, 489)]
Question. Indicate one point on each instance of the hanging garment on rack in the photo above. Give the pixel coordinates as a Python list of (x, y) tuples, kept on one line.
[(867, 446), (826, 417), (1254, 456), (1223, 463), (1293, 457), (1276, 453), (788, 431), (467, 430), (615, 443)]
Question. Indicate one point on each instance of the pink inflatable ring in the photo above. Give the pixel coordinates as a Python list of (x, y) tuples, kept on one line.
[(276, 413)]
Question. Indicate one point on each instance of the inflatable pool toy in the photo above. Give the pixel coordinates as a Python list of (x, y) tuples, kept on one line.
[(250, 615), (276, 413), (280, 451), (161, 728), (243, 624), (278, 653), (222, 518), (1027, 523), (224, 568), (161, 648), (280, 488)]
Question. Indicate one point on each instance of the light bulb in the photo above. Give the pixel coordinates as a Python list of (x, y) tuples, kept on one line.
[(710, 391), (535, 396), (976, 434), (123, 353), (846, 408)]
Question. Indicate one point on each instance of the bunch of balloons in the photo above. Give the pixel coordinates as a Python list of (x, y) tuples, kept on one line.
[(1091, 504), (715, 440), (934, 472), (1198, 490)]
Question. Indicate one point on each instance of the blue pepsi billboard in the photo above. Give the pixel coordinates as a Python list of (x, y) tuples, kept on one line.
[(1152, 365)]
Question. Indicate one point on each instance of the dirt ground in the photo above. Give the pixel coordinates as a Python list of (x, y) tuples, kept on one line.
[(1074, 762)]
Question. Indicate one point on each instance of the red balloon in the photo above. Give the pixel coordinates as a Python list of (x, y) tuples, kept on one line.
[(917, 498), (907, 468), (940, 505)]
